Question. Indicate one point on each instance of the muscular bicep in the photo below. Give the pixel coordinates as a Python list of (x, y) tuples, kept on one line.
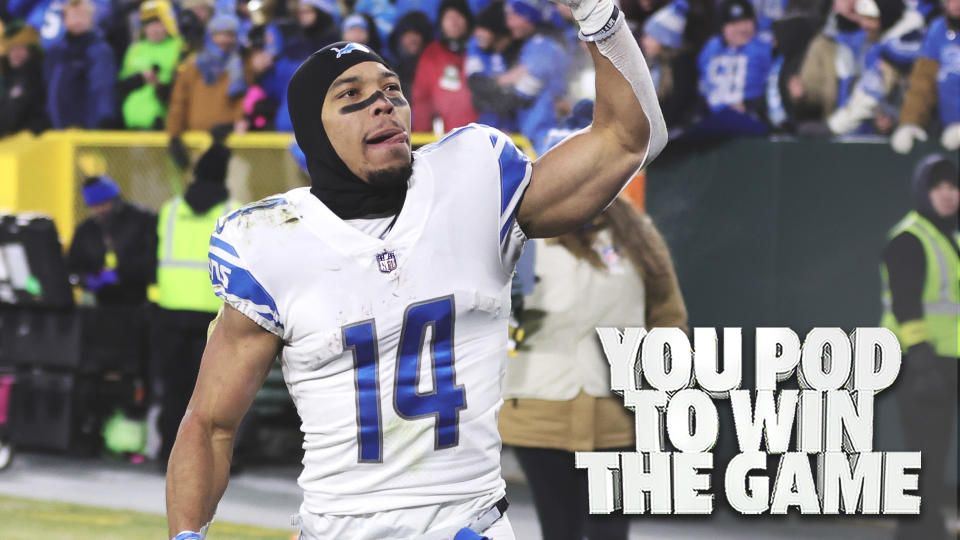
[(573, 182), (235, 363)]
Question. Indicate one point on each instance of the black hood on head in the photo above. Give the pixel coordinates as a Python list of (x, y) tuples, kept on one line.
[(331, 180), (931, 170), (208, 188)]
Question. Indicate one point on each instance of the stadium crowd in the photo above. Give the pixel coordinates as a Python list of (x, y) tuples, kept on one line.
[(730, 67)]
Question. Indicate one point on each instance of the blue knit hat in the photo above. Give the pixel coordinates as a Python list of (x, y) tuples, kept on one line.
[(223, 22), (354, 20), (99, 189), (531, 10), (668, 23)]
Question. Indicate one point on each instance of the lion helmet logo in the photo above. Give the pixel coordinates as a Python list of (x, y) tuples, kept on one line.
[(350, 47)]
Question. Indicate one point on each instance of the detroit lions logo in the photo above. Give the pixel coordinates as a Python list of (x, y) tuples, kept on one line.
[(350, 48)]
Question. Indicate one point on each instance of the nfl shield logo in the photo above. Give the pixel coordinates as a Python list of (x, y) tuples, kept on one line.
[(387, 261)]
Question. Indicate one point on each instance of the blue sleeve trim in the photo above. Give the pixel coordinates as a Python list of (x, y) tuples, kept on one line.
[(513, 170), (216, 242), (237, 287)]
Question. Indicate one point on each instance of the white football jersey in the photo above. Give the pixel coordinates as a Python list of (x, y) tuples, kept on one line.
[(394, 349)]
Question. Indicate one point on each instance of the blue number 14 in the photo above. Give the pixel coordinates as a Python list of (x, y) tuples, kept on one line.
[(443, 402)]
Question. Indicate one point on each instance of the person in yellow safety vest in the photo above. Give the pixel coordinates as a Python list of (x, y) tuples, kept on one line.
[(921, 278), (185, 300)]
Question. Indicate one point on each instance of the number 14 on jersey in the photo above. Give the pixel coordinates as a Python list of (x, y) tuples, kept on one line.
[(443, 402)]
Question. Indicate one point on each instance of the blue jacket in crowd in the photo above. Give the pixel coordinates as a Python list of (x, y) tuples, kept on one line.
[(731, 75), (546, 61), (46, 16), (488, 64), (80, 73)]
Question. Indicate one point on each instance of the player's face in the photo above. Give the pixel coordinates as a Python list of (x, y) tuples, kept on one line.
[(945, 198), (367, 120)]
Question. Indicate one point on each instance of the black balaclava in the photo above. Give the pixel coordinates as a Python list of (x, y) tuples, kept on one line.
[(932, 170), (332, 181)]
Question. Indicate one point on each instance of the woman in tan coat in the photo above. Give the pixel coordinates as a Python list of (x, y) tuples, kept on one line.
[(557, 397), (209, 87)]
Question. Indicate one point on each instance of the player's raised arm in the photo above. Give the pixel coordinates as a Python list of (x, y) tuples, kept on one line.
[(577, 179), (234, 365)]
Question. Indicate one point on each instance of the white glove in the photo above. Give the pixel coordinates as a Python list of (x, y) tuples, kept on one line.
[(950, 139), (903, 138), (597, 18)]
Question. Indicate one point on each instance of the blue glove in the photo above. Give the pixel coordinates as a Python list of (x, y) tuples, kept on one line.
[(188, 535), (94, 282), (108, 277)]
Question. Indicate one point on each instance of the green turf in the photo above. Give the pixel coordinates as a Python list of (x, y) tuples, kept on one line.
[(24, 519)]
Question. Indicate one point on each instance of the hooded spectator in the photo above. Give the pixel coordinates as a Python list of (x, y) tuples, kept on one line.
[(672, 65), (80, 71), (440, 87), (934, 84), (410, 37), (113, 252), (147, 74), (22, 94), (318, 25), (192, 22), (487, 59), (361, 28), (209, 86), (317, 28)]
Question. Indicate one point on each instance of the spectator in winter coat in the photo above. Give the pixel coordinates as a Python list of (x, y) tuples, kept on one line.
[(934, 81), (209, 86), (538, 78), (47, 17), (829, 67), (488, 53), (22, 91), (893, 39), (734, 65), (361, 28), (440, 87), (114, 251), (316, 28), (146, 77), (80, 71), (192, 21), (410, 37)]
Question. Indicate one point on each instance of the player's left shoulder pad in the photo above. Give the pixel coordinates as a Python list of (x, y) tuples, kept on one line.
[(235, 259)]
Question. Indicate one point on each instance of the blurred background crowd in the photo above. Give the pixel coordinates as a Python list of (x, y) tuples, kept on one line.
[(722, 67)]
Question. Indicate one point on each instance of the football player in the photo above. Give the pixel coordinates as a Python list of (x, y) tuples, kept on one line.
[(384, 287)]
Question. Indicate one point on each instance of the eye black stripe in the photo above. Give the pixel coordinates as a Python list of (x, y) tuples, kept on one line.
[(395, 101)]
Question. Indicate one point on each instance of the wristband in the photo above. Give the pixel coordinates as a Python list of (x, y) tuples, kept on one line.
[(187, 535), (614, 22)]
